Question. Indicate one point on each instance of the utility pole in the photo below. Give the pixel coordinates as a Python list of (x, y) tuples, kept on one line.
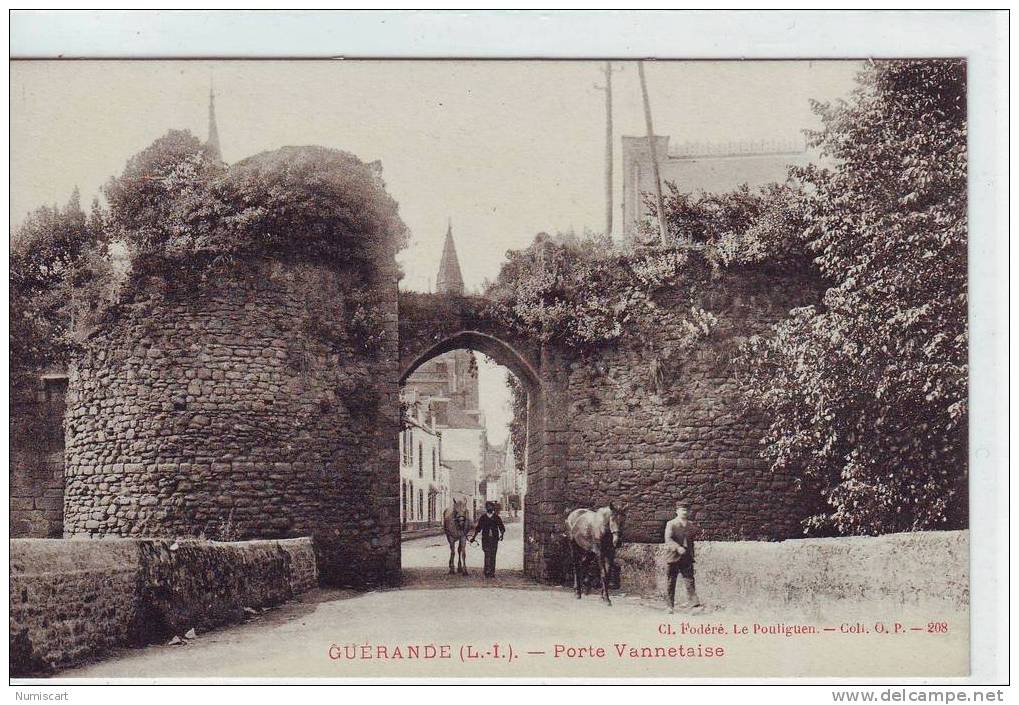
[(608, 71), (663, 231)]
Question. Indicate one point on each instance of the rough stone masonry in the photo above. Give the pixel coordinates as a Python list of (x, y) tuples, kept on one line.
[(238, 406), (689, 437), (643, 422), (37, 455), (241, 406)]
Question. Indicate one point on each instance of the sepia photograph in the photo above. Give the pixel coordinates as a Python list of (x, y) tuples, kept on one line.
[(473, 368)]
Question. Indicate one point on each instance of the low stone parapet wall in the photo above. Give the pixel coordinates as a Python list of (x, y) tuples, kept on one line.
[(71, 600), (908, 569)]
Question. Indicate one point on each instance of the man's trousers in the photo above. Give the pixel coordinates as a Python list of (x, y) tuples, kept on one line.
[(684, 568), (490, 548)]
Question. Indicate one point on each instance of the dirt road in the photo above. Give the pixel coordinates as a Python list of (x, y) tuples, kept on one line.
[(456, 626)]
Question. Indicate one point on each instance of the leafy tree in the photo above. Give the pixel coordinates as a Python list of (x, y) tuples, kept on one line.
[(45, 249), (176, 209), (868, 390)]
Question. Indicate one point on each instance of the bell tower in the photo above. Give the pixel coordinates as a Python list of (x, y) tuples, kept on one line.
[(450, 279), (213, 140)]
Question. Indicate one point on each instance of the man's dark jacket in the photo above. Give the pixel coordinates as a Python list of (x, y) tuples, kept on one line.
[(491, 530)]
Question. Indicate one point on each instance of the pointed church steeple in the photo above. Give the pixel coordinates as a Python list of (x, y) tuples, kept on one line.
[(450, 280), (213, 141)]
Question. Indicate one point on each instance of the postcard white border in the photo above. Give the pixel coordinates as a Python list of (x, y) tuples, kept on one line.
[(979, 36)]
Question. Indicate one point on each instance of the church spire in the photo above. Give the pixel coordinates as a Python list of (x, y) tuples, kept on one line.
[(213, 140), (450, 280)]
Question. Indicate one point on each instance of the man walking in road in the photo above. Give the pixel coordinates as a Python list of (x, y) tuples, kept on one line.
[(492, 531), (679, 533)]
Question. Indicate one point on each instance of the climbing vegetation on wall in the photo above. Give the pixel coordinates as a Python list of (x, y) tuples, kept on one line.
[(179, 215), (518, 422), (742, 226), (174, 201), (582, 293)]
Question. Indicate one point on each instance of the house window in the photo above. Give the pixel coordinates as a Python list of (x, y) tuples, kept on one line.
[(421, 503), (421, 459), (433, 463)]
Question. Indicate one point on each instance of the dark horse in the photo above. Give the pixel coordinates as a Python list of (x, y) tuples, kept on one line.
[(456, 526), (597, 534)]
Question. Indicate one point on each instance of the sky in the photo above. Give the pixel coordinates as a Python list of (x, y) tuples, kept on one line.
[(503, 149)]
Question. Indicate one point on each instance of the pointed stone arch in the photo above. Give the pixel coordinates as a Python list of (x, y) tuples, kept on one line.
[(433, 324), (502, 352)]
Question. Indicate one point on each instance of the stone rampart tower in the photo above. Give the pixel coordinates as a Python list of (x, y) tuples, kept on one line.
[(242, 405)]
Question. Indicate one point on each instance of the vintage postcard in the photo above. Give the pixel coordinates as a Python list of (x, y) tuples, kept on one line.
[(489, 369)]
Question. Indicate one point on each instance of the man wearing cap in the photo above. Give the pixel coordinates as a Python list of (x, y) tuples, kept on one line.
[(679, 533), (492, 531)]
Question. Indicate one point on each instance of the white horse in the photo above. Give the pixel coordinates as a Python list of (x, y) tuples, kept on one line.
[(456, 526)]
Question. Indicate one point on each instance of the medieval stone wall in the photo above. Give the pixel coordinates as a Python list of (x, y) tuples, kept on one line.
[(646, 444), (71, 601), (546, 503), (242, 406), (889, 574), (37, 456), (642, 422)]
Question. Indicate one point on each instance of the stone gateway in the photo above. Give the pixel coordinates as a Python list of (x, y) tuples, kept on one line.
[(643, 423), (244, 405)]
